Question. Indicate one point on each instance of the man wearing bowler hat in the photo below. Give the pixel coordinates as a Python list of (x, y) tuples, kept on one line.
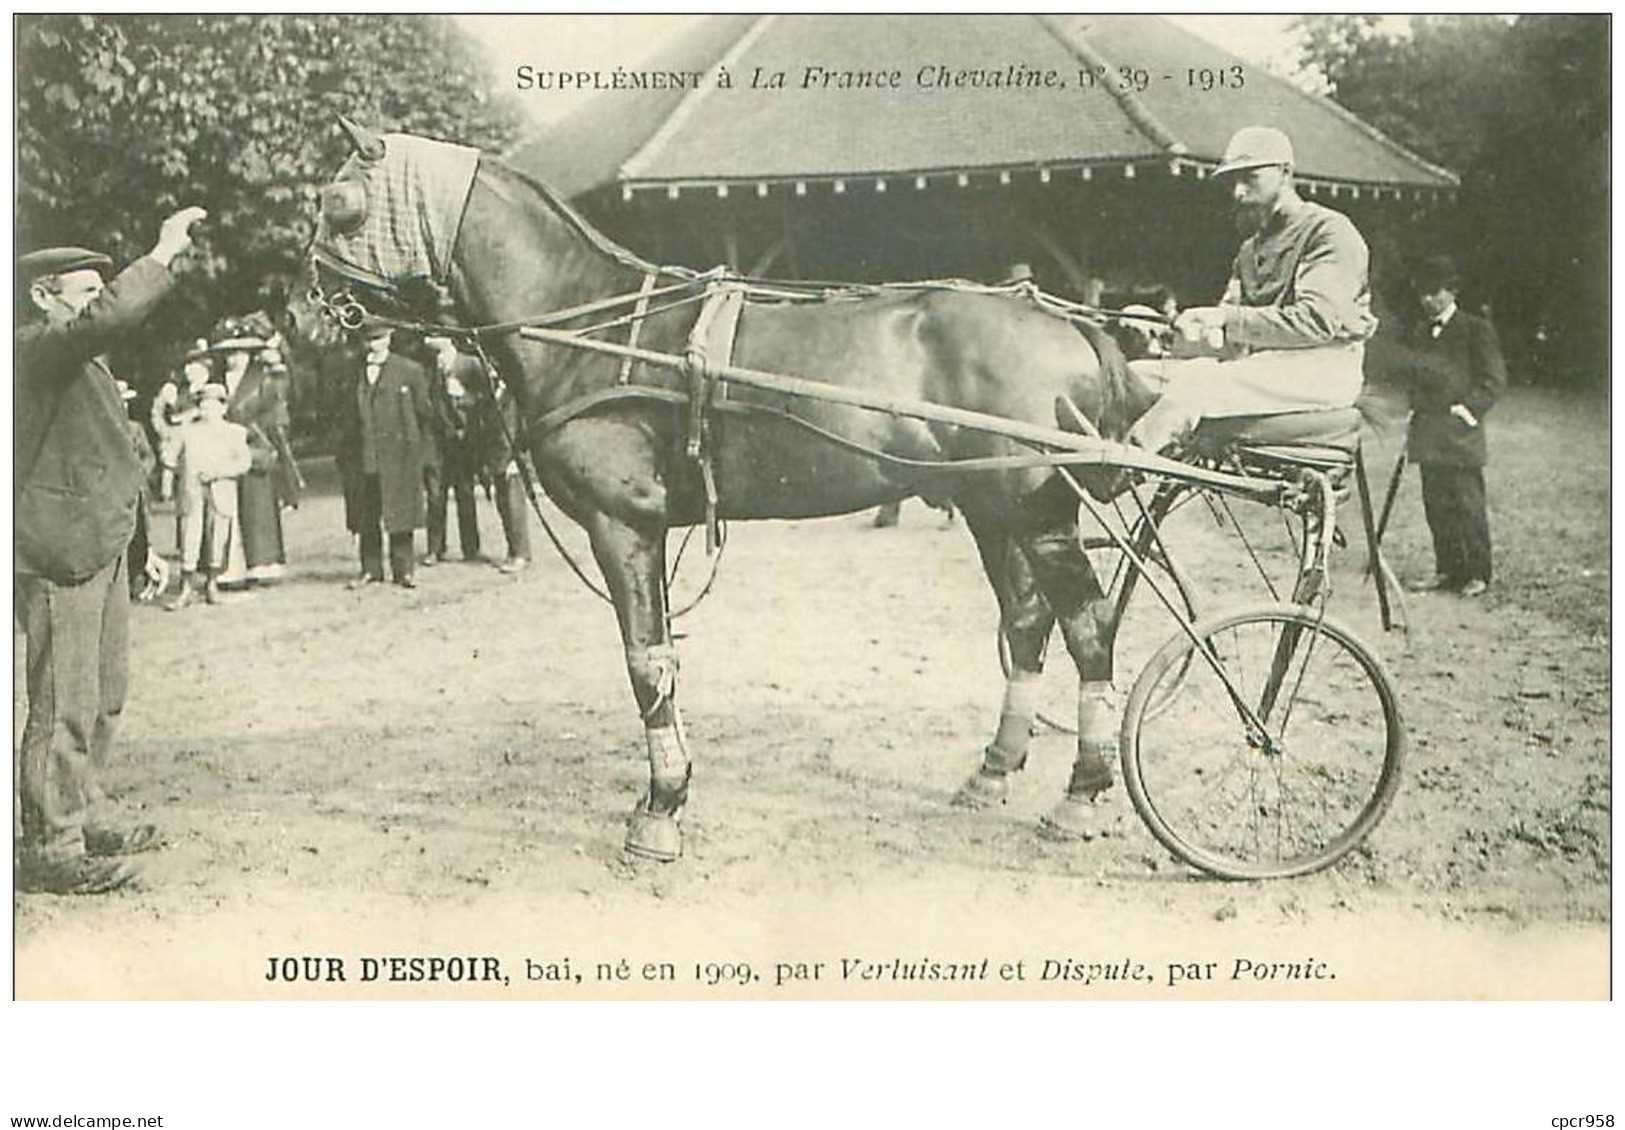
[(382, 455), (74, 496), (1289, 334), (1456, 372)]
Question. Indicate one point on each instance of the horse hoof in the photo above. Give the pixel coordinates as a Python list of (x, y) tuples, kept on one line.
[(652, 835), (1070, 821), (983, 790)]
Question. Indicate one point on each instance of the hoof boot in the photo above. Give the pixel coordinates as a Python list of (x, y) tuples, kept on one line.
[(1072, 820), (651, 835), (983, 789)]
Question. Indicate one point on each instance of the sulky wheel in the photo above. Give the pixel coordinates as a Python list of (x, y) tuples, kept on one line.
[(1286, 786)]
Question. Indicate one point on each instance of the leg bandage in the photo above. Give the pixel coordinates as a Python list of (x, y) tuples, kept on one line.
[(1097, 739), (1009, 749), (668, 752), (1097, 714)]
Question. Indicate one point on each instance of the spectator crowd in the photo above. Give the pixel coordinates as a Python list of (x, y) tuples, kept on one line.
[(212, 452), (419, 426)]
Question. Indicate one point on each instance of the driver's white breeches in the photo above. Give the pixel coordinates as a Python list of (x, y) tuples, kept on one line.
[(1259, 384)]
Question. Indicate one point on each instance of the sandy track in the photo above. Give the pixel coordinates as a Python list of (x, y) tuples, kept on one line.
[(417, 766)]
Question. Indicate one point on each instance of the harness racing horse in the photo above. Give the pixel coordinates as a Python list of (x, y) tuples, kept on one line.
[(622, 472)]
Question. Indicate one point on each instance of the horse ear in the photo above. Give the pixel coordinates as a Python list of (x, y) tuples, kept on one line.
[(362, 139)]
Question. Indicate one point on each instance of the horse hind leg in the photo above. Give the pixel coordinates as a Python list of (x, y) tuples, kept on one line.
[(1070, 587), (1026, 622)]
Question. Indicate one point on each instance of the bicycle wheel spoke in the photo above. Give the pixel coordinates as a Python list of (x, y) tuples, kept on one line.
[(1246, 804), (1255, 809), (1308, 654), (1281, 807), (1310, 831)]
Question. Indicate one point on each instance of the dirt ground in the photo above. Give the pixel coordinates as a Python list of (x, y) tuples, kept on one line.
[(422, 766)]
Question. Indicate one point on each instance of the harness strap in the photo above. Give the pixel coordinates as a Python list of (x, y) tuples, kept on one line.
[(638, 313), (642, 294), (710, 344)]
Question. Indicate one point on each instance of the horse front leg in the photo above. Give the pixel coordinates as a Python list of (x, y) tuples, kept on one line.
[(1026, 621), (1050, 543), (604, 473), (632, 558)]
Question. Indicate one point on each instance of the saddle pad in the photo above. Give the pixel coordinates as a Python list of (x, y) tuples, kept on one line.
[(415, 195), (711, 341), (1334, 427)]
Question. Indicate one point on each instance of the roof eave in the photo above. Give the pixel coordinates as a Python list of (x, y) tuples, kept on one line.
[(1054, 172)]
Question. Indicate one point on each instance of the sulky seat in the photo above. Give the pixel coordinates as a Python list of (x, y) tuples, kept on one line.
[(1323, 438), (1283, 445)]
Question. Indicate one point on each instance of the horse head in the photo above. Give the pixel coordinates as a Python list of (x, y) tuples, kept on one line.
[(382, 236)]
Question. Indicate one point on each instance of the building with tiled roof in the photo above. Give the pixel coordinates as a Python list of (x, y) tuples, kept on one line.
[(891, 146)]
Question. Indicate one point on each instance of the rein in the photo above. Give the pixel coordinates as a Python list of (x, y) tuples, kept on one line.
[(348, 311), (351, 314)]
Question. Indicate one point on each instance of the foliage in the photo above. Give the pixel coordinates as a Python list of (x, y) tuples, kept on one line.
[(1424, 90), (121, 119), (1542, 186), (1520, 110)]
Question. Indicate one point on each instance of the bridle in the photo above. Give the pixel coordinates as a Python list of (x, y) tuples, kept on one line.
[(343, 308)]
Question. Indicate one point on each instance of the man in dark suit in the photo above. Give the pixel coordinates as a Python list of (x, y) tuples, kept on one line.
[(384, 451), (455, 393), (507, 469), (1456, 375), (75, 492)]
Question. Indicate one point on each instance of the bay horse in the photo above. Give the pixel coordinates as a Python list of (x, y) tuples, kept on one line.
[(620, 470)]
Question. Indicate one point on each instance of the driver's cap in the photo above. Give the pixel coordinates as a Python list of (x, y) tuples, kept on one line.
[(1253, 147)]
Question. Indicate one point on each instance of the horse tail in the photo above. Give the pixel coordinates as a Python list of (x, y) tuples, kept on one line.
[(1122, 397)]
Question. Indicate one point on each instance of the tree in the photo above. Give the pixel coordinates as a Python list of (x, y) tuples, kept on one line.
[(121, 119), (1519, 109), (1544, 193), (1426, 88)]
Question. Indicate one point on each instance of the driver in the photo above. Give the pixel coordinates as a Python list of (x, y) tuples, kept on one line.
[(1289, 334)]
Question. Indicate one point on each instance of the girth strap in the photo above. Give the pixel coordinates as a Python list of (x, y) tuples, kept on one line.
[(710, 344)]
